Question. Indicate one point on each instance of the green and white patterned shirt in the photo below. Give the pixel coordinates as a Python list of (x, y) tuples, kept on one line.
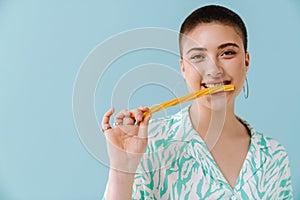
[(178, 165)]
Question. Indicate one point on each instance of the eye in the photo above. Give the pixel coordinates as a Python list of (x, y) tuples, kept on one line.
[(228, 53), (197, 57)]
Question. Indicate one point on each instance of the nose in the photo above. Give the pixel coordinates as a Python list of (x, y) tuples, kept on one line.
[(213, 69)]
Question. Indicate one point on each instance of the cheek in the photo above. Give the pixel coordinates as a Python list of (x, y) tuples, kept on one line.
[(192, 77), (237, 69), (239, 77)]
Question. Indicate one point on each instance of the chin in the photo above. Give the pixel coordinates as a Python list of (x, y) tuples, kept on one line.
[(218, 102)]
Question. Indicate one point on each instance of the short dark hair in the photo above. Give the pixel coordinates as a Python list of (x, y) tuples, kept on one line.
[(214, 13)]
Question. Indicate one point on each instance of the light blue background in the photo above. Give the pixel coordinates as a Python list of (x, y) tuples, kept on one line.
[(43, 44)]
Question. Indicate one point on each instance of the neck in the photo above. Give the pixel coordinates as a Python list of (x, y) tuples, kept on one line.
[(211, 124)]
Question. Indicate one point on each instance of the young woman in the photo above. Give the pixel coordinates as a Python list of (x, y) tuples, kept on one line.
[(204, 151)]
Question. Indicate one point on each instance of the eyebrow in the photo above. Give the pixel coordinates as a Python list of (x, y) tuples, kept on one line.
[(222, 46), (196, 49)]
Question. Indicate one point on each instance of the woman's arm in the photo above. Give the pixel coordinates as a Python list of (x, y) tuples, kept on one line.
[(119, 185), (126, 144)]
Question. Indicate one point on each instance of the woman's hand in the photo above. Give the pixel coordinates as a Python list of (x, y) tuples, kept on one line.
[(127, 140)]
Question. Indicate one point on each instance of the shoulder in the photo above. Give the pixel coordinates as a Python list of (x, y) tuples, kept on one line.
[(262, 141), (267, 148), (271, 147), (272, 158)]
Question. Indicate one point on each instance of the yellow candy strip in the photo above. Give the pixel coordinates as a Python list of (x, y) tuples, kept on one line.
[(188, 97)]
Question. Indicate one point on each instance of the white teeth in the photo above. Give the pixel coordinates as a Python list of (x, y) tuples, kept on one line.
[(213, 85)]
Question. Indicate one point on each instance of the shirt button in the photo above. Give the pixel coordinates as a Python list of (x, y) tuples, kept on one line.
[(234, 197)]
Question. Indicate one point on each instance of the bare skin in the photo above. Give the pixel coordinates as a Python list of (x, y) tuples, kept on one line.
[(229, 153), (126, 144), (230, 147)]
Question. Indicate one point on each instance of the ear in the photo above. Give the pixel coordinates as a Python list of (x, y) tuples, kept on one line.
[(182, 68), (247, 60)]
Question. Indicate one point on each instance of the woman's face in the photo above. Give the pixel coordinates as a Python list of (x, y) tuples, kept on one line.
[(213, 54)]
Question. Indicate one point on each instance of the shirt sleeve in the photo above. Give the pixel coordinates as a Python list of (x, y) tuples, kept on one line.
[(142, 187), (285, 183), (145, 184)]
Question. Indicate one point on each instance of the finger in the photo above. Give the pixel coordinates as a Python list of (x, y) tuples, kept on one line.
[(143, 127), (128, 121), (129, 118), (143, 131), (120, 117), (145, 120), (143, 108), (106, 118), (137, 115)]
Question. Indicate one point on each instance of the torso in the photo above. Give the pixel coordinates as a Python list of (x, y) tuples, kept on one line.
[(186, 171), (229, 149), (230, 154)]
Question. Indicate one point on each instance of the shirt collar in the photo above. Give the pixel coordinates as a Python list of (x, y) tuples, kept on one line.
[(186, 132)]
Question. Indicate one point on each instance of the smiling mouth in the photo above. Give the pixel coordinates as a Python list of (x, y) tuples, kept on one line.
[(211, 85)]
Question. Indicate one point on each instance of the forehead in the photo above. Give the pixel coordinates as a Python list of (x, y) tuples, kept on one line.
[(211, 35)]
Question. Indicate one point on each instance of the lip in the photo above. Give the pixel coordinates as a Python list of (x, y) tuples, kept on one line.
[(226, 82)]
